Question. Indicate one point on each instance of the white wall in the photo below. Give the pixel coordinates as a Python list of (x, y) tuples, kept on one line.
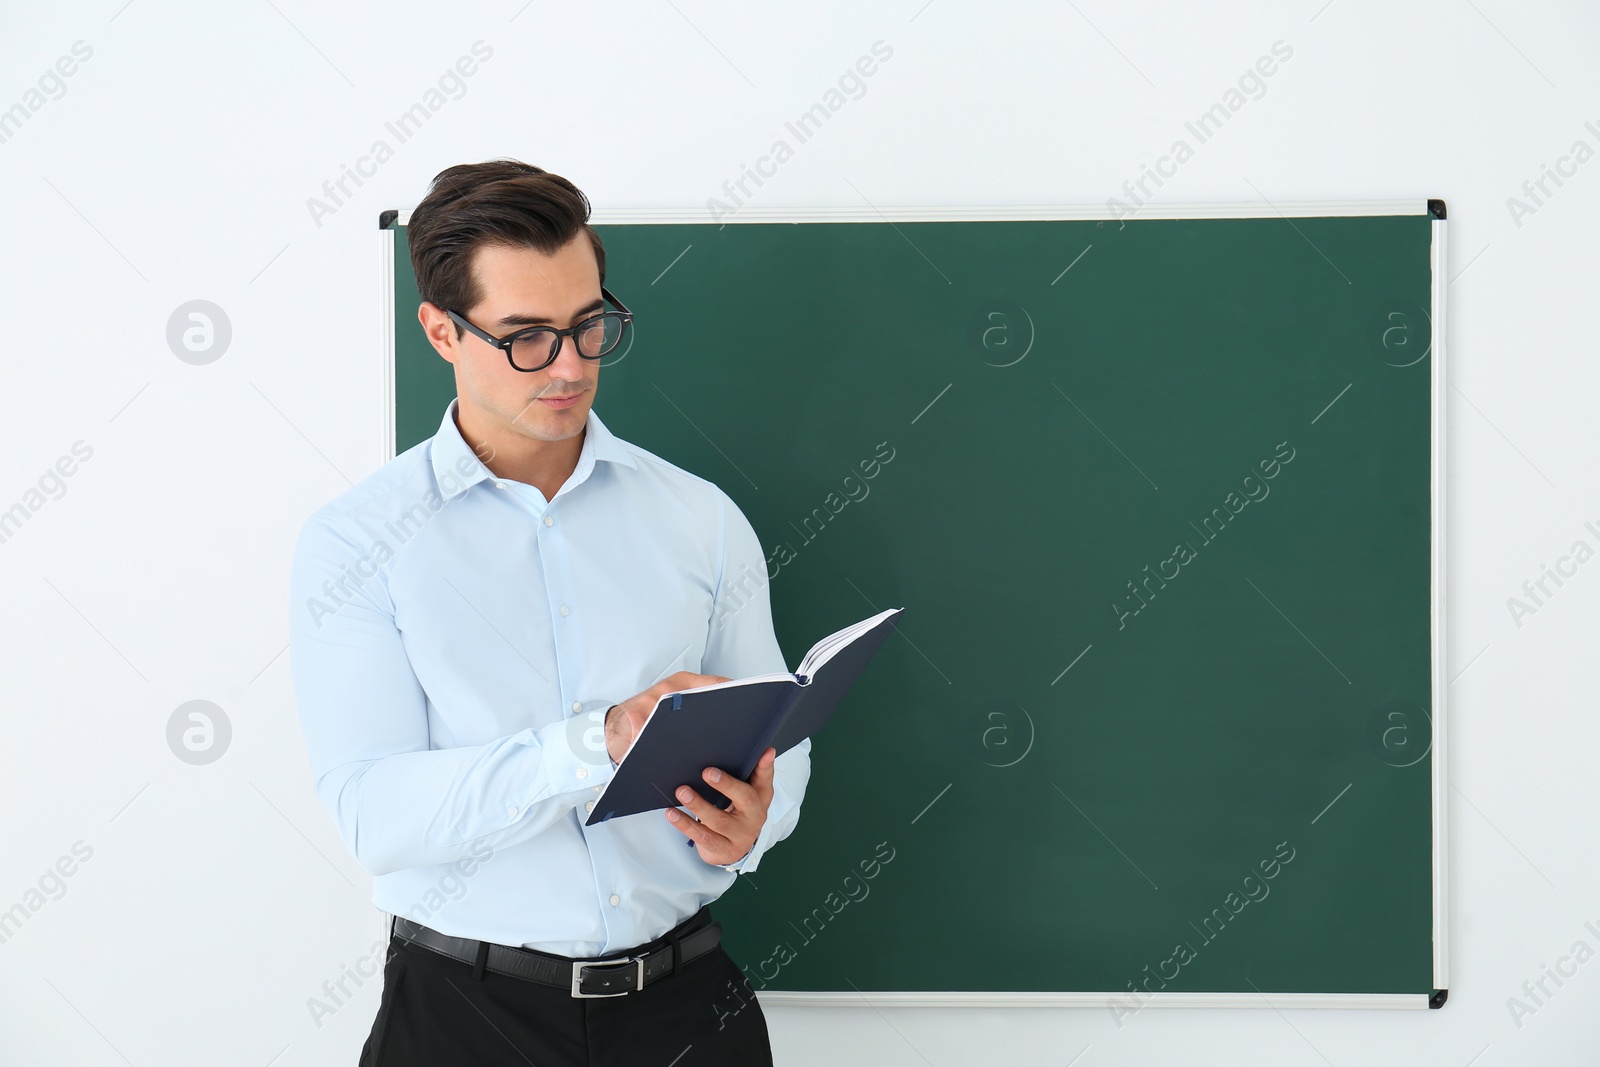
[(177, 166)]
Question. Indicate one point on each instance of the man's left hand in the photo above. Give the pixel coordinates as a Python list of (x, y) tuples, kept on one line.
[(726, 836)]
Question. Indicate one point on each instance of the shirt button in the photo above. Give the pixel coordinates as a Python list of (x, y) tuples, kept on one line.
[(615, 900), (511, 809), (565, 610), (548, 521), (499, 485), (577, 705), (597, 789), (589, 806), (582, 772)]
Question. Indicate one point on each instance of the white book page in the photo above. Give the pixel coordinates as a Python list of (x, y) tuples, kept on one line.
[(829, 646)]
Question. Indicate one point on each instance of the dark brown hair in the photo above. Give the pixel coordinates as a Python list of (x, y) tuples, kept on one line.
[(501, 201)]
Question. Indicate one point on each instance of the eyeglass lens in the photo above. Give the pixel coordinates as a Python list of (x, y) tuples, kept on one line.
[(596, 337)]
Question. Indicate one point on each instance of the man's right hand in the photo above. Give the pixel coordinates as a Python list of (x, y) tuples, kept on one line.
[(625, 720)]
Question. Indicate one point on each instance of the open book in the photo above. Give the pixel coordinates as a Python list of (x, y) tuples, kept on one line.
[(730, 724)]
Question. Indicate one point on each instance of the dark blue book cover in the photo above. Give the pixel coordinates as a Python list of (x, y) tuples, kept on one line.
[(729, 725)]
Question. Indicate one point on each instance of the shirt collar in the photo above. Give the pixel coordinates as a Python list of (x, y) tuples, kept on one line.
[(456, 468)]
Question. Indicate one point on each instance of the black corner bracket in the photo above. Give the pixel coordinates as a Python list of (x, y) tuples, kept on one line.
[(386, 219), (1436, 209), (1439, 995)]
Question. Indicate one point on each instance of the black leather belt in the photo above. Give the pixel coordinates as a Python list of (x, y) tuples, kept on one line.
[(606, 976)]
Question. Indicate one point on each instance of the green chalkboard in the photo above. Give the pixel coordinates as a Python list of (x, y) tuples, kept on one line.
[(1159, 498)]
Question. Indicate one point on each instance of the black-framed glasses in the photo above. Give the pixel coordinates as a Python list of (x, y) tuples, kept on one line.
[(536, 347)]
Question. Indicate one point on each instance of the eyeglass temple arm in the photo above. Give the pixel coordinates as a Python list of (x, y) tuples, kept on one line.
[(465, 323)]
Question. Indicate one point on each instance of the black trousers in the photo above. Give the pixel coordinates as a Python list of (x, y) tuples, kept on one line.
[(433, 1012)]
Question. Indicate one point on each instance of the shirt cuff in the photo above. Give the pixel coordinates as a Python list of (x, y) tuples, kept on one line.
[(575, 761), (751, 859)]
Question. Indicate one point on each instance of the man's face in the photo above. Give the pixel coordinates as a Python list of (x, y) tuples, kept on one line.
[(522, 287)]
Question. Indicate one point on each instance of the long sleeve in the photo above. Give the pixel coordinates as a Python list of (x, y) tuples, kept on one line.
[(791, 772), (398, 803), (741, 642)]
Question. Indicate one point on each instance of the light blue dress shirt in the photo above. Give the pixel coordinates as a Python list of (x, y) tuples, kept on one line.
[(455, 642)]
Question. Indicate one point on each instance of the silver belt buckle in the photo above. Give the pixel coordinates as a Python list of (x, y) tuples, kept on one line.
[(579, 965)]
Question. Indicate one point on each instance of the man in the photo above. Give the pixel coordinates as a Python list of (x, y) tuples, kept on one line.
[(468, 624)]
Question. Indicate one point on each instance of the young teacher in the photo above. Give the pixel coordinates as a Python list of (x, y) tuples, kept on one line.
[(480, 628)]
